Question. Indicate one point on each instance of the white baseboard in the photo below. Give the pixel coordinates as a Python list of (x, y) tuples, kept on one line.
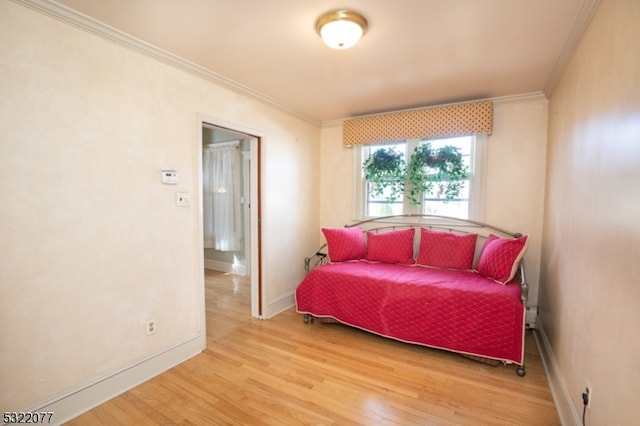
[(561, 396), (89, 395), (279, 305), (227, 267)]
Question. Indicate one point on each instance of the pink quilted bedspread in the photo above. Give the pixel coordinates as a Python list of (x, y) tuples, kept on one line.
[(460, 311)]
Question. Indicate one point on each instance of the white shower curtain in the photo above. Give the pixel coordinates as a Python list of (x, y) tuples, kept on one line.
[(221, 167)]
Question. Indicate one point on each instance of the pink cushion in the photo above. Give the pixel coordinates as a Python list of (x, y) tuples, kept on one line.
[(446, 249), (391, 247), (345, 243), (499, 257)]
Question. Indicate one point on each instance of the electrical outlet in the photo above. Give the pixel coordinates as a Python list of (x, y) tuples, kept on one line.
[(151, 327), (587, 396)]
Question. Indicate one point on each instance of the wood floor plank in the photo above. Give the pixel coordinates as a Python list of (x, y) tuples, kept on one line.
[(282, 371)]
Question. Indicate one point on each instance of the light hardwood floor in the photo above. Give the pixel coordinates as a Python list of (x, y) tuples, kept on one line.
[(282, 371)]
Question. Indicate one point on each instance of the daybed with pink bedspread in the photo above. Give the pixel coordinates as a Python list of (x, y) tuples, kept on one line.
[(458, 287)]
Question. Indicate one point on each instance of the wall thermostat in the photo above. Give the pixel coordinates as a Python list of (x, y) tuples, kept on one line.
[(170, 177)]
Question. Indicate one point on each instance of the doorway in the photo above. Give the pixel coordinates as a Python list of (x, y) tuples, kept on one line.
[(226, 207), (237, 252)]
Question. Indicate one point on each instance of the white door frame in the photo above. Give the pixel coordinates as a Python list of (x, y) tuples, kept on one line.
[(246, 210), (257, 291)]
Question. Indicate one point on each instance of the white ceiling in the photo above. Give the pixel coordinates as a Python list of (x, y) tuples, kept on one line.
[(415, 53)]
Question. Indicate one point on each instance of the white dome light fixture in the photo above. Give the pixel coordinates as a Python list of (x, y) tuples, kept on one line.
[(341, 29)]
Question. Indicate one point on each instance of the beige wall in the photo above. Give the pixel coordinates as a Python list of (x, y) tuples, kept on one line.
[(516, 153), (590, 280), (92, 243)]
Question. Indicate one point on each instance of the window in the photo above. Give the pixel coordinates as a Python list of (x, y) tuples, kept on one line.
[(467, 205)]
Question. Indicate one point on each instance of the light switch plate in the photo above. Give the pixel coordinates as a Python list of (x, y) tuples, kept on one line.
[(182, 199)]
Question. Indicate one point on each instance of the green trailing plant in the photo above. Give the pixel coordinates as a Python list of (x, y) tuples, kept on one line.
[(386, 169), (389, 174), (429, 166)]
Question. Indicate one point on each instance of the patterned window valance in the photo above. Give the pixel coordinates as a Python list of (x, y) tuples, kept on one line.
[(425, 123)]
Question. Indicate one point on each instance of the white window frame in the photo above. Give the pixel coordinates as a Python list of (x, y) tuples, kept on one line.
[(477, 180)]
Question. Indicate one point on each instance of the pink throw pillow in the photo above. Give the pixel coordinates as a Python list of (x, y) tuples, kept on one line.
[(500, 257), (446, 249), (391, 247), (345, 243)]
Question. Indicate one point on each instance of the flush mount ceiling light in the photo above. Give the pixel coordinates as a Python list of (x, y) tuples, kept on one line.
[(341, 29)]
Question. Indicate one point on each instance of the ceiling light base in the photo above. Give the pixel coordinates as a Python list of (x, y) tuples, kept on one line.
[(341, 29)]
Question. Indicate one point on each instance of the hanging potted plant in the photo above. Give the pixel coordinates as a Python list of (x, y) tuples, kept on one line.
[(428, 166), (385, 169)]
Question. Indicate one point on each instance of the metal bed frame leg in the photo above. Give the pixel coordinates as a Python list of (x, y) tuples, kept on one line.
[(521, 371), (308, 319)]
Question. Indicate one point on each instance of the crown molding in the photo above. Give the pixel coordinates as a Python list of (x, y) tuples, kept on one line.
[(497, 99), (518, 97), (578, 29), (86, 23)]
